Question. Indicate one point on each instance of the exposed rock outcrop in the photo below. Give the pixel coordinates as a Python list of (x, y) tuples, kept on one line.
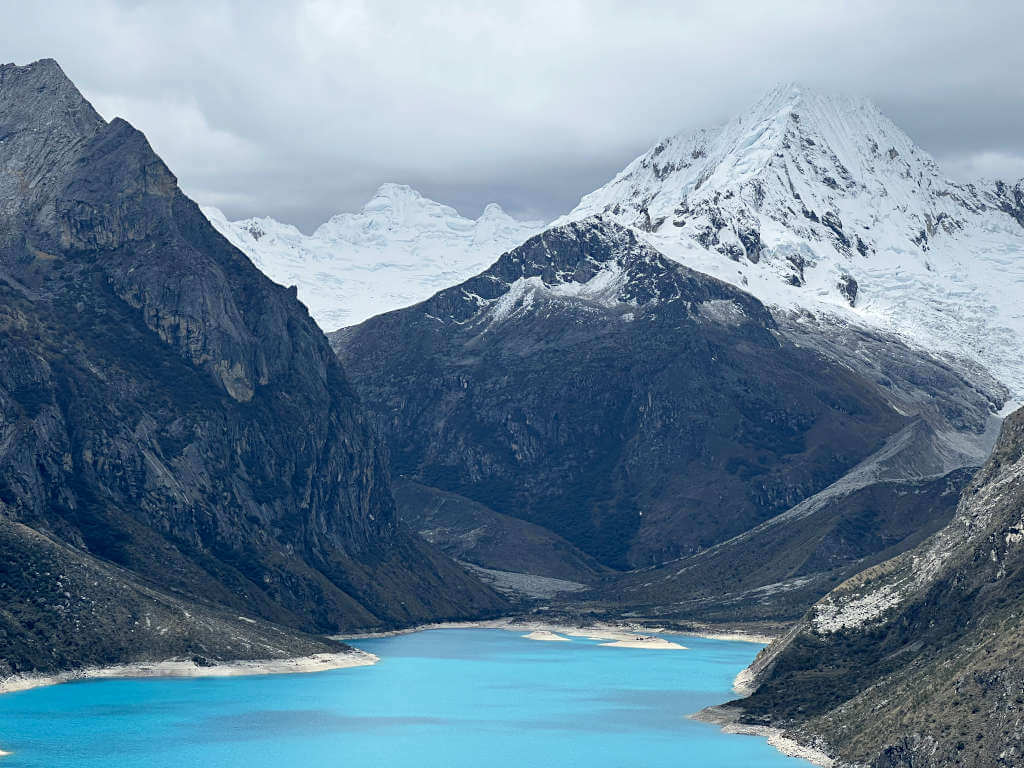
[(168, 411), (916, 662)]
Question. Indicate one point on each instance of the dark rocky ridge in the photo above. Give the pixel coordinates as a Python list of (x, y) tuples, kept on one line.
[(587, 384), (64, 609), (916, 663), (528, 369), (167, 410), (472, 533)]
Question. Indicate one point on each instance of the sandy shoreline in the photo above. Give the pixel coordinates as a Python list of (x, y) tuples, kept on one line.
[(319, 662), (647, 643), (778, 739), (550, 637), (606, 631), (727, 718)]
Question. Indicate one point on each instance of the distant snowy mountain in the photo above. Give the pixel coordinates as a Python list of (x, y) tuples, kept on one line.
[(400, 249), (822, 203)]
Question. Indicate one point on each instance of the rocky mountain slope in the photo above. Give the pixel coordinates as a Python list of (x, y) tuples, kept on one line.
[(173, 425), (398, 250), (887, 503), (821, 203), (472, 533), (917, 661), (638, 409)]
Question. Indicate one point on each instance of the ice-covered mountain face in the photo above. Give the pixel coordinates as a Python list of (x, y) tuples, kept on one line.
[(822, 203), (398, 250)]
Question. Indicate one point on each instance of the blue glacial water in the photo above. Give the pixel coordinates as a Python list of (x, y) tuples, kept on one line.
[(448, 698)]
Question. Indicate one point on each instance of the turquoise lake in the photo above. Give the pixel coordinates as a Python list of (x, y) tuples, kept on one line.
[(450, 698)]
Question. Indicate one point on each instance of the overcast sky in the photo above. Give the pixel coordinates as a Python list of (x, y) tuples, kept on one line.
[(300, 110)]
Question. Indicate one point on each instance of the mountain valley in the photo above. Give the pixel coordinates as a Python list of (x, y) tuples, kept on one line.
[(767, 378)]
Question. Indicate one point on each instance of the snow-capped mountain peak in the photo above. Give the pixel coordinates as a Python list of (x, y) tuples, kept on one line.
[(815, 201), (399, 249), (796, 156), (393, 208)]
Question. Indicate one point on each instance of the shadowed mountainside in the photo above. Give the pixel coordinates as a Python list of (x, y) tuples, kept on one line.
[(171, 418), (636, 408)]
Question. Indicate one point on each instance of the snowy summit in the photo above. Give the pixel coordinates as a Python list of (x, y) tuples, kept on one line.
[(820, 202), (399, 249)]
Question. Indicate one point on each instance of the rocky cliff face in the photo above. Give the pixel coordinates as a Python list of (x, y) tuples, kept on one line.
[(588, 384), (167, 410), (917, 661)]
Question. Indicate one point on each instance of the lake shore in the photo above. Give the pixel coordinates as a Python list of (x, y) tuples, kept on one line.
[(646, 643), (544, 635), (727, 718), (611, 634), (601, 630), (622, 634), (319, 662)]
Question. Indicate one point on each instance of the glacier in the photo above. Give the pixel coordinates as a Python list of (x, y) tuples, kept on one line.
[(820, 203), (400, 249)]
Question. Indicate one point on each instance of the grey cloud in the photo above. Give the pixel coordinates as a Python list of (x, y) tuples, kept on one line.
[(299, 110)]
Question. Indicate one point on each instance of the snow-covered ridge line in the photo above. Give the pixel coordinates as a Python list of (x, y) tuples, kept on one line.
[(820, 202), (401, 248)]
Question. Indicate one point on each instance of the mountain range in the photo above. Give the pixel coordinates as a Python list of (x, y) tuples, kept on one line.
[(493, 389), (899, 282), (795, 440), (750, 380), (399, 249), (810, 202)]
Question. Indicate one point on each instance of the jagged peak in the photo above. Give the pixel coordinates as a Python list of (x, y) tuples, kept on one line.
[(394, 194), (43, 118), (395, 189), (783, 121), (799, 94), (819, 201), (493, 211), (399, 207), (40, 95), (41, 69), (590, 265), (808, 148), (400, 202)]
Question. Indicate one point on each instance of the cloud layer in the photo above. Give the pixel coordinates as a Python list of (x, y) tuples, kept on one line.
[(299, 110)]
